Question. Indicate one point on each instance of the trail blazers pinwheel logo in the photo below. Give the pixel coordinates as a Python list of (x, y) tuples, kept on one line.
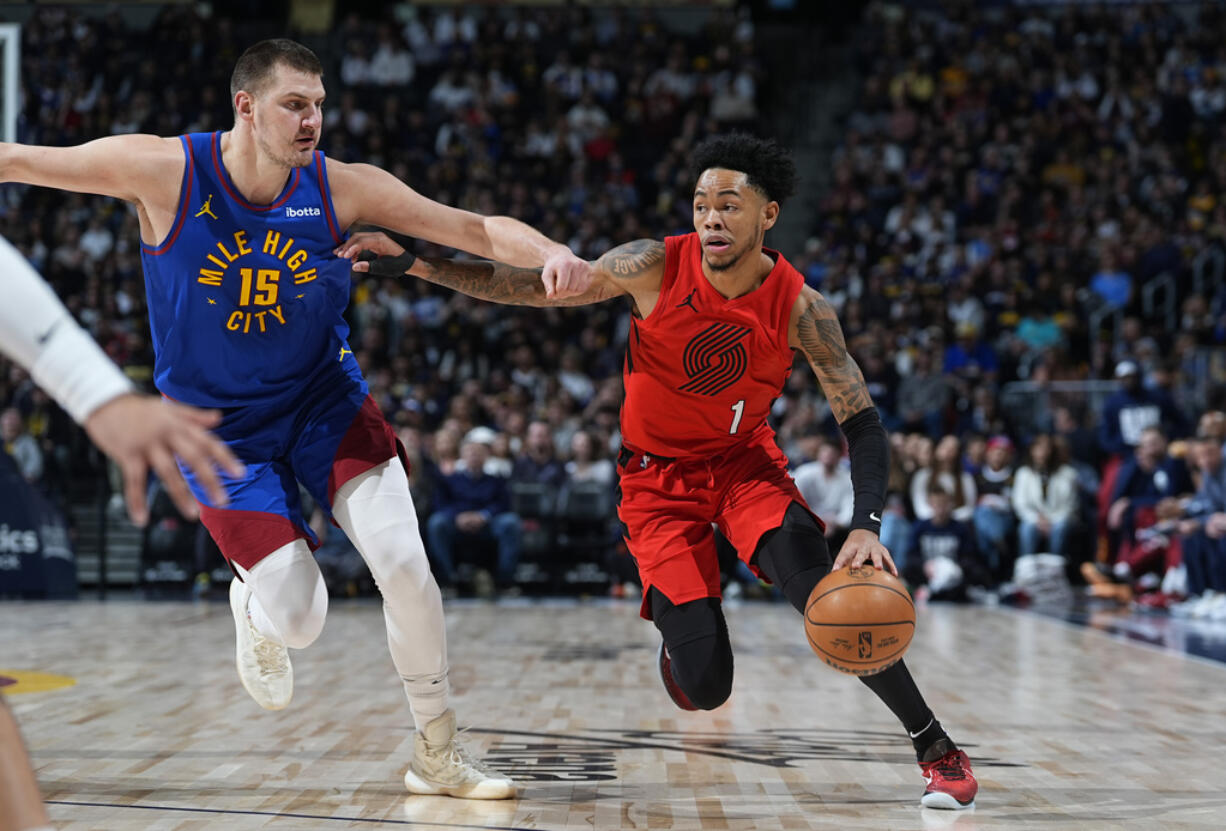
[(715, 359)]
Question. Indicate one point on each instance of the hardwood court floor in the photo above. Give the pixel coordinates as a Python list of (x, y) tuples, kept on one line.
[(1069, 727)]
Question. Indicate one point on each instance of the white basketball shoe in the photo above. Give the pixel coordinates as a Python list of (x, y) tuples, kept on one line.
[(263, 664), (442, 766)]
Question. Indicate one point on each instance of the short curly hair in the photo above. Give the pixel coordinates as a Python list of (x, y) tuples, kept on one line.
[(768, 167)]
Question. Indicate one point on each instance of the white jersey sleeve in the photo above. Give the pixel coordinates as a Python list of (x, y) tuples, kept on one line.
[(39, 334)]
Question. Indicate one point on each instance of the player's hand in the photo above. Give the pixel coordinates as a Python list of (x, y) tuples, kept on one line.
[(141, 432), (861, 547), (376, 242), (566, 275)]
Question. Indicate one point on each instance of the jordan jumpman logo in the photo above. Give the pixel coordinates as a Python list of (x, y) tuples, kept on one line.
[(689, 301)]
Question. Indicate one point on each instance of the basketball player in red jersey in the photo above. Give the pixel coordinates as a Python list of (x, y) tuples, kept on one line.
[(716, 321)]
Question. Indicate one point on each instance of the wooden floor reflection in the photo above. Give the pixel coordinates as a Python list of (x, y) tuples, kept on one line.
[(1068, 727)]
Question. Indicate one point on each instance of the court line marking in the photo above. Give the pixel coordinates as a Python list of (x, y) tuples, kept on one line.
[(279, 814), (1111, 636)]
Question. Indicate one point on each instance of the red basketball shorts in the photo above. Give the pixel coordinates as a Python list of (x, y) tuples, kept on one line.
[(669, 505)]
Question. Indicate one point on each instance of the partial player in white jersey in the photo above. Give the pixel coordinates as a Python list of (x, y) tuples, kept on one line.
[(139, 432)]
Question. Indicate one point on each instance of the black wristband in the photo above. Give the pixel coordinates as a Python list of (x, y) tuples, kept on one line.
[(868, 447), (396, 266)]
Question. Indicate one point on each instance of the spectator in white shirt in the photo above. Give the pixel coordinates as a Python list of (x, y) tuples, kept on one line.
[(97, 241), (1045, 497), (391, 65), (826, 486)]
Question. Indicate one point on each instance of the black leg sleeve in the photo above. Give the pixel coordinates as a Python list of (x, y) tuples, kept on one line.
[(794, 556), (696, 637)]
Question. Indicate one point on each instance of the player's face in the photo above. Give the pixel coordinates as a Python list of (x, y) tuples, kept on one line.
[(288, 116), (730, 216)]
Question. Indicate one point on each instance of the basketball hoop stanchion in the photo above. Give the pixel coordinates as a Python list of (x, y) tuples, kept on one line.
[(10, 79)]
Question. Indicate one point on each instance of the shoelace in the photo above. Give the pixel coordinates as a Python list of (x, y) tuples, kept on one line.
[(461, 757), (271, 657), (950, 767)]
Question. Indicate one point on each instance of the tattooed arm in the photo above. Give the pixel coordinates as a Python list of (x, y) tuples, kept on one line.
[(634, 268), (815, 331)]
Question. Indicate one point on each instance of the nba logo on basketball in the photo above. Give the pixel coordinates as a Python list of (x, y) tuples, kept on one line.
[(866, 644)]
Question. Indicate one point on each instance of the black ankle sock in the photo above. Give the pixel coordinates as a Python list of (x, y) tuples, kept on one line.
[(932, 743)]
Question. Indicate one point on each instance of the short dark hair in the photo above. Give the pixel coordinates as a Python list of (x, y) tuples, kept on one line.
[(255, 66), (768, 167)]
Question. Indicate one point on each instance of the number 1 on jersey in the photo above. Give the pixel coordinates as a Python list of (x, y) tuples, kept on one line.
[(738, 410)]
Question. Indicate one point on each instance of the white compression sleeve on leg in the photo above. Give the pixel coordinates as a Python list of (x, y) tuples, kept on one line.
[(289, 600), (39, 333), (376, 510)]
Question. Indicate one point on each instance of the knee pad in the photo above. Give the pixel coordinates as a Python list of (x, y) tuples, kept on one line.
[(696, 636), (795, 555)]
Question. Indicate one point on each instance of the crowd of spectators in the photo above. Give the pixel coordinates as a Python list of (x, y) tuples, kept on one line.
[(1017, 195), (1005, 178)]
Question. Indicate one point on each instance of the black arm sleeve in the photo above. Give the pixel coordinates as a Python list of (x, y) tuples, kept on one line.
[(869, 449)]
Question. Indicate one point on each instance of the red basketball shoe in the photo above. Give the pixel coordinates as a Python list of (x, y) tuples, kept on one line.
[(951, 784), (670, 686)]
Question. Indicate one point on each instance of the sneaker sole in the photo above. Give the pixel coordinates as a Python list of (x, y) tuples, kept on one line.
[(238, 653), (483, 790), (944, 802)]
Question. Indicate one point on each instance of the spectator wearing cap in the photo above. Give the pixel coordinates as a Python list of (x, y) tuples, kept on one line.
[(1134, 408), (942, 563), (472, 506), (1045, 497), (993, 518)]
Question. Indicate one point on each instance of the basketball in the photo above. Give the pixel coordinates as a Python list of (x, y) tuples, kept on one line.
[(860, 619)]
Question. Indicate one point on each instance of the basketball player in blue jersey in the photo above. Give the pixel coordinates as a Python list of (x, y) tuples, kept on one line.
[(245, 300)]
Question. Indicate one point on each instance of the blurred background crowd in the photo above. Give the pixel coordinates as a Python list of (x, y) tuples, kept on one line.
[(1021, 225)]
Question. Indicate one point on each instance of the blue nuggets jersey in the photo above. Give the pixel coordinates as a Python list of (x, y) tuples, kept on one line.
[(246, 301)]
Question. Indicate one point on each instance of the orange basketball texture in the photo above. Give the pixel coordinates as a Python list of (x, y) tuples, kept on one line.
[(860, 620)]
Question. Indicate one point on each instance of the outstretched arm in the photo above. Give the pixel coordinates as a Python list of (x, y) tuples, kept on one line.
[(366, 194), (627, 269), (815, 330), (124, 167)]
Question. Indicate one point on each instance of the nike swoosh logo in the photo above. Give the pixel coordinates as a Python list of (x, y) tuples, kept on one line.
[(874, 517), (45, 336)]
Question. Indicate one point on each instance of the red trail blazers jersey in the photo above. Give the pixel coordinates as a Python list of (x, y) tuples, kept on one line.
[(701, 371)]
